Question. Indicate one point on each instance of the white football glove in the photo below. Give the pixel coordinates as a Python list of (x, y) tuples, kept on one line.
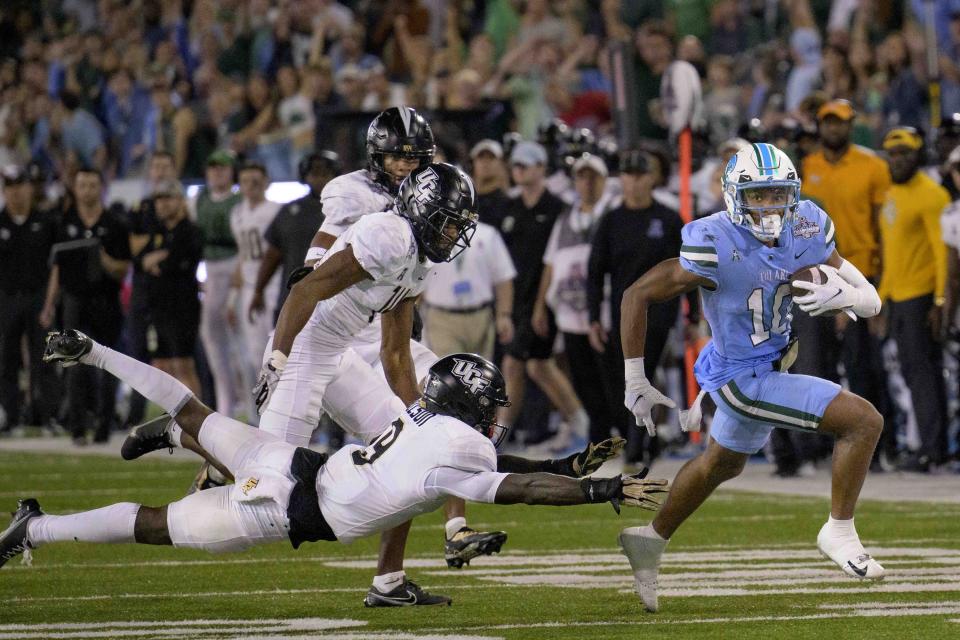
[(836, 293), (641, 397), (268, 379)]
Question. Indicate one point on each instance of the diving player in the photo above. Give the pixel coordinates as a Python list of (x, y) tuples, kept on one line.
[(442, 445)]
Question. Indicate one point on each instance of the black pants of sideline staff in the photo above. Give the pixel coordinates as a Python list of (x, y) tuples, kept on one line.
[(19, 314), (91, 392), (921, 362)]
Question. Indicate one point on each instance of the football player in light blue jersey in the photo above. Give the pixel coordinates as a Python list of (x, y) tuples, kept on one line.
[(742, 260)]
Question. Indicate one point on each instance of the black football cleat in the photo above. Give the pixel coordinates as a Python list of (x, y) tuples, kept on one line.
[(467, 544), (407, 594), (66, 347), (152, 435), (13, 541)]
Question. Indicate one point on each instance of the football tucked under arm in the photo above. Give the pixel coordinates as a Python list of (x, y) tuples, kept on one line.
[(825, 290)]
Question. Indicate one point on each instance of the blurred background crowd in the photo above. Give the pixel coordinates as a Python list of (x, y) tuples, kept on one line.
[(109, 108)]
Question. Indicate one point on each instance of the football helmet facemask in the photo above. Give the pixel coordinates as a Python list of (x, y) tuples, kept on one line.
[(399, 131), (750, 175), (441, 204), (469, 388)]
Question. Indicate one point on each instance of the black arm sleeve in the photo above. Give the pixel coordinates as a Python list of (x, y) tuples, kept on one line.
[(516, 464)]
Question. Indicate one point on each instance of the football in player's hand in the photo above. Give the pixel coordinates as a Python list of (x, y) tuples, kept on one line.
[(810, 274)]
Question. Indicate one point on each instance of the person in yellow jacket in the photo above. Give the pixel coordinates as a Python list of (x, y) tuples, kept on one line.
[(914, 259), (850, 183)]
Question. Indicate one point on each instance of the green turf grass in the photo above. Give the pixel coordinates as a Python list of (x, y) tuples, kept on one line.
[(576, 547)]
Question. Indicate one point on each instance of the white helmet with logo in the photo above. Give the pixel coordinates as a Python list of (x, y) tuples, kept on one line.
[(760, 166)]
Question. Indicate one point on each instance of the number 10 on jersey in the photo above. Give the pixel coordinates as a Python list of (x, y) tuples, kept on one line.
[(780, 321)]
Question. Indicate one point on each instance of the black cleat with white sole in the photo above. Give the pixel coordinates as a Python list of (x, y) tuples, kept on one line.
[(13, 541), (152, 435), (66, 347), (407, 594), (467, 544)]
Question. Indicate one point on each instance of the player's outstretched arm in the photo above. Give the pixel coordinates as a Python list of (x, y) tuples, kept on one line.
[(664, 282), (576, 465), (340, 271), (550, 489)]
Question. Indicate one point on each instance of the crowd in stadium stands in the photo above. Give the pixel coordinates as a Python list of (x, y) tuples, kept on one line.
[(219, 93)]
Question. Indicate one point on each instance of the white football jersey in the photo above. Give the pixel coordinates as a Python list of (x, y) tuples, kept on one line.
[(248, 224), (364, 490), (348, 197), (384, 245)]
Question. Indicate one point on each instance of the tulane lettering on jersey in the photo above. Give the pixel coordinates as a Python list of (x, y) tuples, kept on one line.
[(749, 308)]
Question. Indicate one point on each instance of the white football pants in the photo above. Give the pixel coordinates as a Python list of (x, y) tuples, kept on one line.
[(254, 509)]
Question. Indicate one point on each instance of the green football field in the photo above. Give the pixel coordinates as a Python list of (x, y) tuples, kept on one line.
[(745, 566)]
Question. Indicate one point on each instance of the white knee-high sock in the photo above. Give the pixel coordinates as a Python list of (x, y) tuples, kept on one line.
[(151, 383), (108, 524), (230, 441)]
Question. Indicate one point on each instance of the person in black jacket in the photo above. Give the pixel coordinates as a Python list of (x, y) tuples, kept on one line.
[(26, 235), (89, 262), (289, 235), (526, 229), (629, 241), (170, 262), (143, 224)]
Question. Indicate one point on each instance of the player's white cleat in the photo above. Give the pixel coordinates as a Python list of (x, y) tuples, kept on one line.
[(644, 551), (842, 546)]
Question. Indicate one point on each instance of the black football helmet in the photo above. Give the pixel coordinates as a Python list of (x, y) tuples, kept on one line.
[(579, 142), (510, 140), (609, 149), (329, 160), (948, 136), (469, 388), (553, 137), (434, 198), (397, 131)]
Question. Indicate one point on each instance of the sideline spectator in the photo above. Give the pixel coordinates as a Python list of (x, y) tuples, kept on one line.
[(210, 208), (563, 287), (526, 229), (289, 235), (90, 260), (469, 302), (26, 236), (629, 241), (912, 286)]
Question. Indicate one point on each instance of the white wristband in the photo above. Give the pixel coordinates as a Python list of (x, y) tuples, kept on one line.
[(233, 296), (315, 253), (633, 369)]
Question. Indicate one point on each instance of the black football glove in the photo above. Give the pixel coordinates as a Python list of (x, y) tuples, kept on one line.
[(592, 458)]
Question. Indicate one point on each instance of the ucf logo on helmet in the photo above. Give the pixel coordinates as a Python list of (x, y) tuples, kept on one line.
[(427, 182), (470, 375)]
